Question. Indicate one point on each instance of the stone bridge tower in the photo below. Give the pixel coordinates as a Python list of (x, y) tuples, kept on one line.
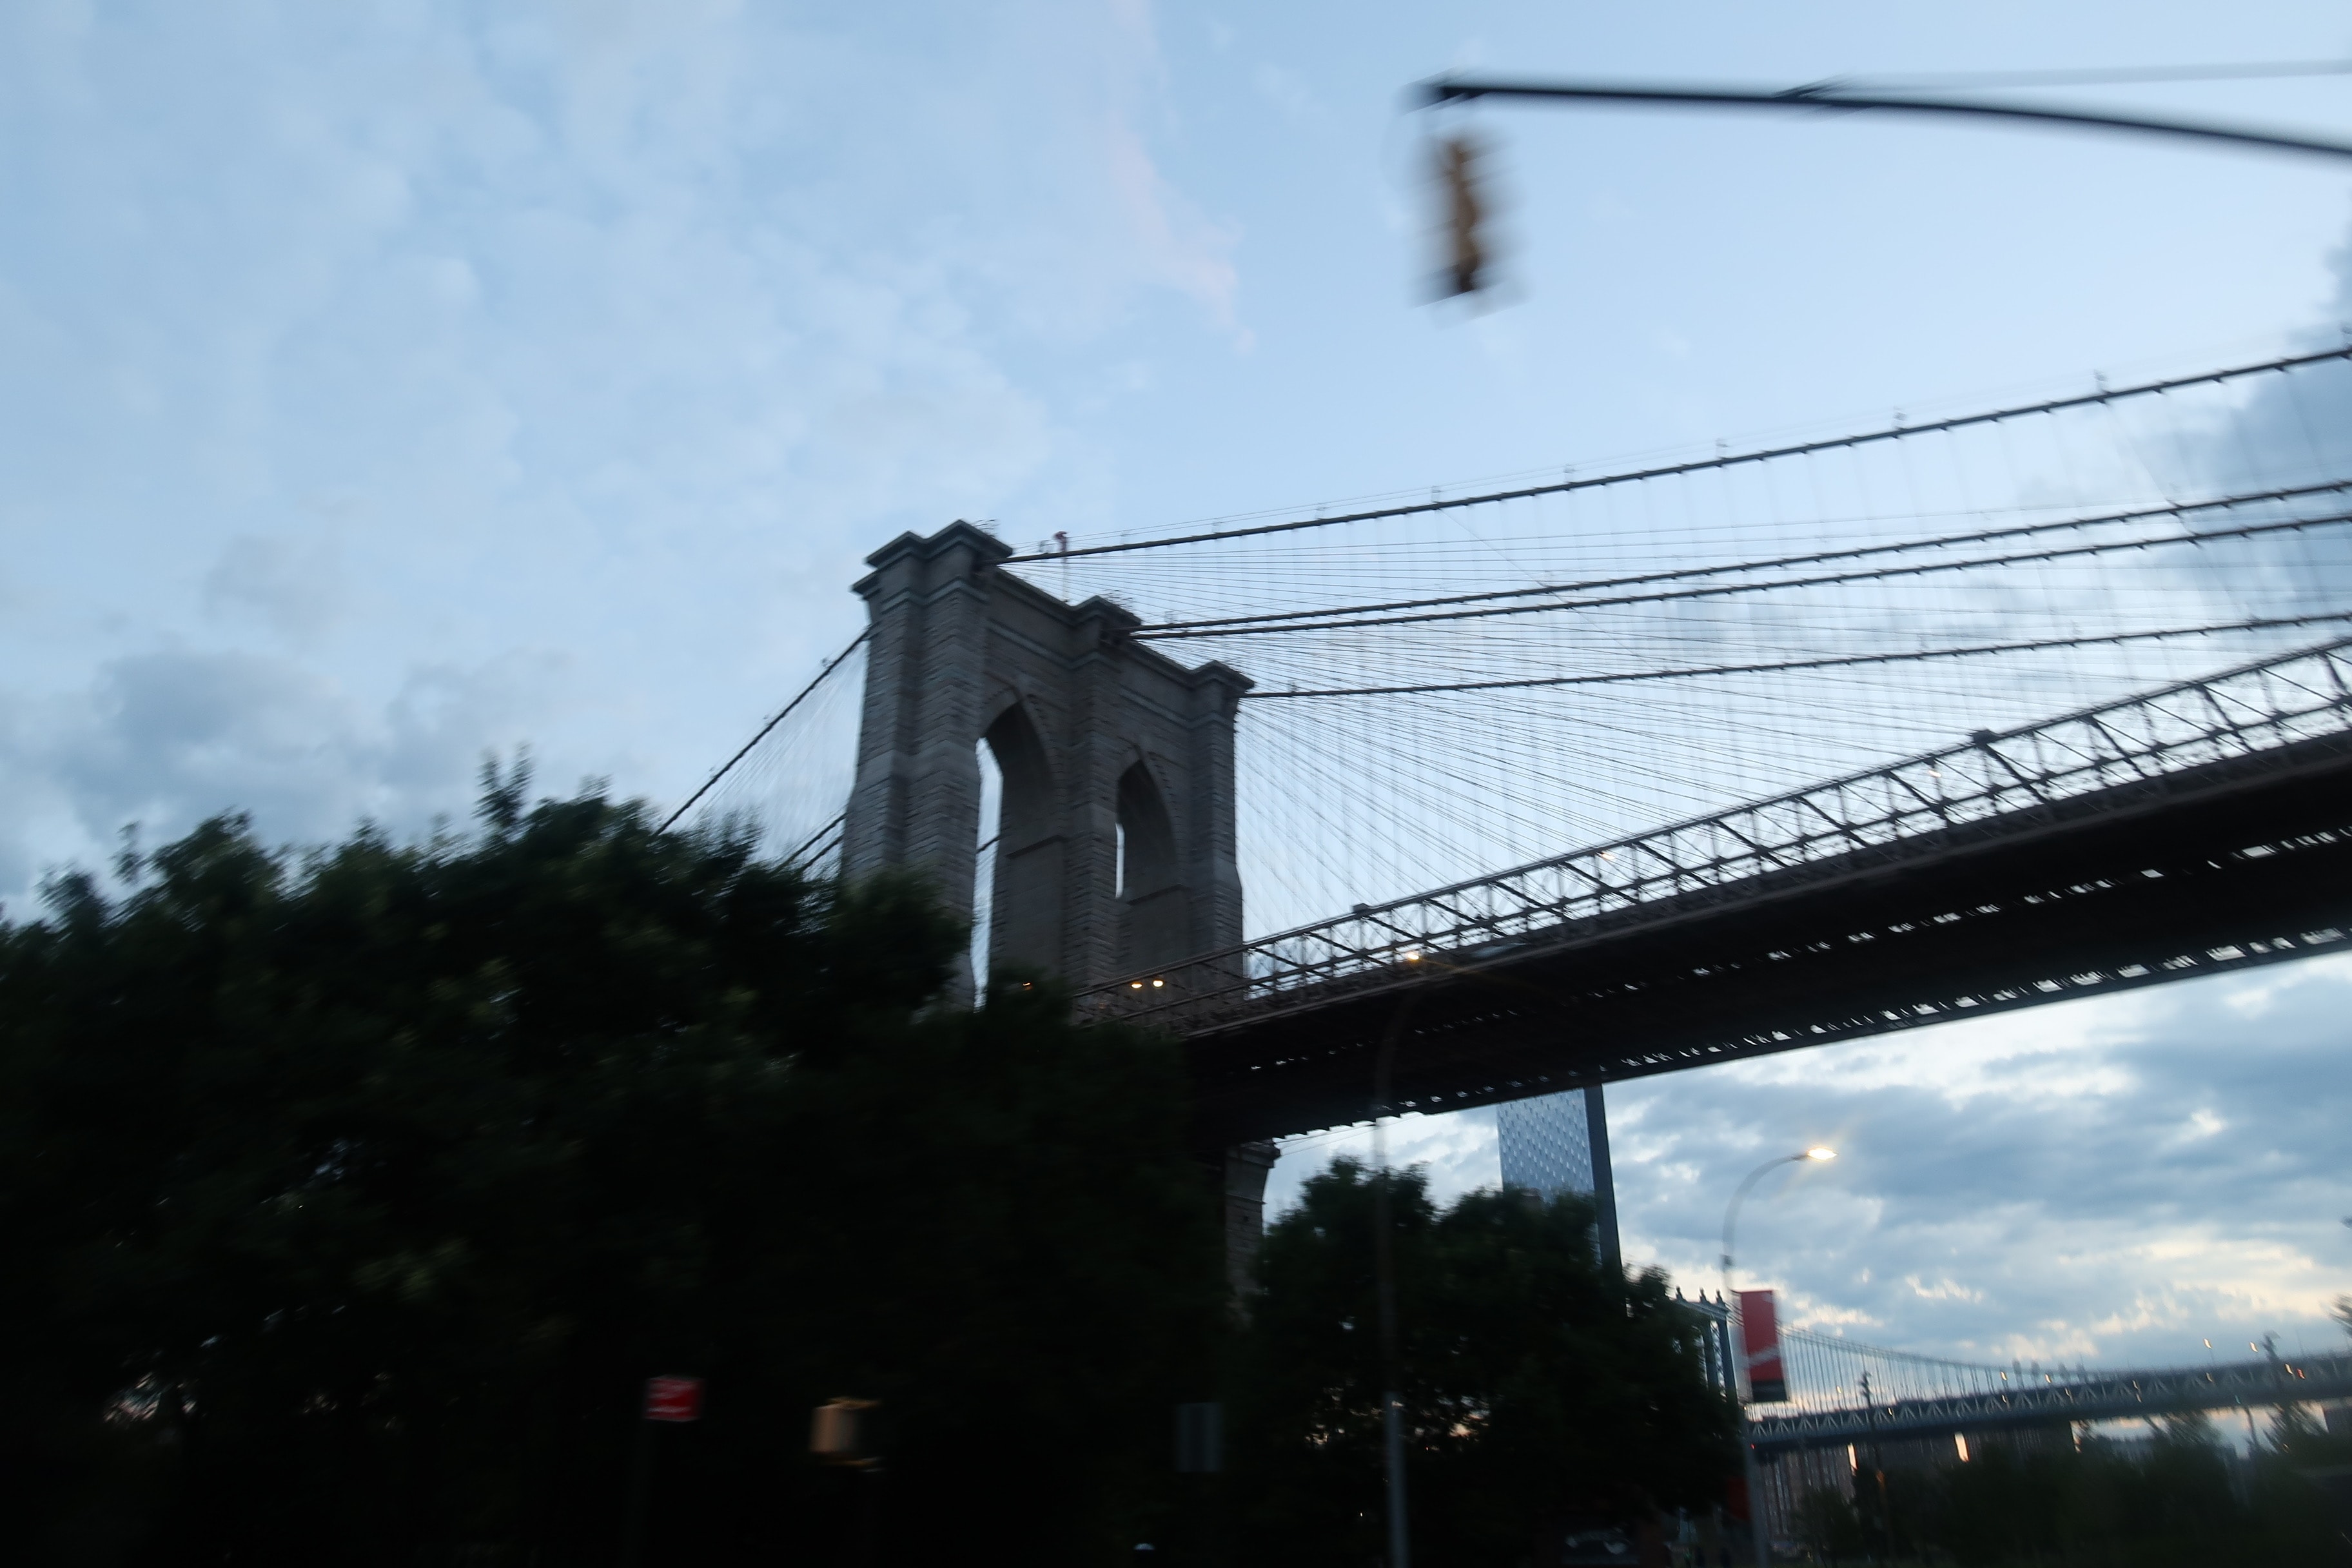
[(1115, 843)]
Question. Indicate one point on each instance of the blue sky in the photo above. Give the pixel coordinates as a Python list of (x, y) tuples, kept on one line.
[(382, 383)]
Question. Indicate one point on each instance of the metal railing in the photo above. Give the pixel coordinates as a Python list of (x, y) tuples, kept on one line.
[(2065, 1396), (2236, 713), (1825, 1372)]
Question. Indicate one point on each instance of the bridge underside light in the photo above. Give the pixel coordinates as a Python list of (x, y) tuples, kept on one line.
[(1960, 1445)]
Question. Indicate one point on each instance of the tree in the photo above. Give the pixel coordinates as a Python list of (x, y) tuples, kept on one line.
[(349, 1196), (1536, 1381), (1828, 1523)]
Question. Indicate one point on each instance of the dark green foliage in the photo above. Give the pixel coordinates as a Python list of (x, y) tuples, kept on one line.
[(348, 1201), (1829, 1525), (1537, 1380), (2042, 1501)]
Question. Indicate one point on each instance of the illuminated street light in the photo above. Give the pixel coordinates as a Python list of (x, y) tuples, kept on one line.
[(1739, 1351)]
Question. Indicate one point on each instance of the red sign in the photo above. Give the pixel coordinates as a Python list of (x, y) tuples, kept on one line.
[(1759, 1347), (673, 1399)]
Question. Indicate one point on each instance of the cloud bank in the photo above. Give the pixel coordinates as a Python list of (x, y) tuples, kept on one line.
[(386, 383)]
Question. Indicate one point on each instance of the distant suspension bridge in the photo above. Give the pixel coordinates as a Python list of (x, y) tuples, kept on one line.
[(1911, 1396)]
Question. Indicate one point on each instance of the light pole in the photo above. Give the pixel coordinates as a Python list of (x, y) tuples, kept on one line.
[(1739, 1342), (1384, 1283)]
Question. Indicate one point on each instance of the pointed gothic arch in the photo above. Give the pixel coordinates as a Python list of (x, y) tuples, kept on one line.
[(1153, 927), (1096, 736), (1025, 905)]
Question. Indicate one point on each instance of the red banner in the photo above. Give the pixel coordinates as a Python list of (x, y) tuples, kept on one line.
[(1759, 1348), (673, 1399)]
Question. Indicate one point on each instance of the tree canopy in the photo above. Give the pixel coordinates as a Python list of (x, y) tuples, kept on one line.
[(2034, 1495), (1538, 1380), (350, 1195)]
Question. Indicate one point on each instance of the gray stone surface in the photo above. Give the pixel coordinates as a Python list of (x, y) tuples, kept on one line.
[(1097, 737), (1094, 733)]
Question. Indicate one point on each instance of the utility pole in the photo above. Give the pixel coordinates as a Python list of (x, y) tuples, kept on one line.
[(1384, 1278), (1759, 1538), (1878, 1467)]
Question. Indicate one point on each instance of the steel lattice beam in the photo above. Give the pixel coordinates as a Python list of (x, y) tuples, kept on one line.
[(2204, 825), (2112, 1396)]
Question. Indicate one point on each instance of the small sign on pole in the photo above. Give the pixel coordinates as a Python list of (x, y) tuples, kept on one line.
[(841, 1431), (673, 1399)]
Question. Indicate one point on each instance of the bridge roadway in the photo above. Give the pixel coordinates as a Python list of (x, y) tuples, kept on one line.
[(2196, 828), (2107, 1396)]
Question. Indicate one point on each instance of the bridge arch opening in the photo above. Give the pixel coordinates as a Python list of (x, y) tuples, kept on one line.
[(1024, 872), (1153, 912), (984, 862)]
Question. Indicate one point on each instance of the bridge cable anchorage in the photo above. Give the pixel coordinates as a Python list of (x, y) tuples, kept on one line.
[(1277, 620), (722, 770), (1733, 459), (1179, 632)]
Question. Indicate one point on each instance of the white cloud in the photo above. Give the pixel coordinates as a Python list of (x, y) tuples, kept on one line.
[(345, 355), (2108, 1179), (292, 587)]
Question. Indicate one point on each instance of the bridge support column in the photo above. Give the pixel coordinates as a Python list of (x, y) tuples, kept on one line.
[(1115, 847), (1245, 1168)]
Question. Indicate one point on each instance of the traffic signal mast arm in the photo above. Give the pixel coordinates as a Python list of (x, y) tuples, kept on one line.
[(1820, 96)]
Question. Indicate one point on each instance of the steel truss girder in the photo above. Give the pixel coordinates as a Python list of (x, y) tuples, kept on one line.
[(2076, 757), (2112, 1396), (2113, 849)]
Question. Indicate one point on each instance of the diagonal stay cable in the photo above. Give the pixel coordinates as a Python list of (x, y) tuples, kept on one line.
[(1768, 563), (1725, 460), (814, 841), (831, 665), (1823, 580), (1837, 661)]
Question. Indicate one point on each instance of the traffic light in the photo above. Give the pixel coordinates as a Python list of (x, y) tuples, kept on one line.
[(1466, 264)]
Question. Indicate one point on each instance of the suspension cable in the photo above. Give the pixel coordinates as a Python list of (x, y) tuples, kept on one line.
[(830, 666), (1724, 460), (1720, 590), (1686, 573), (1838, 661)]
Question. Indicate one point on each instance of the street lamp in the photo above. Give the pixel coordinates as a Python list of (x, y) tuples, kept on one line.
[(1739, 1346)]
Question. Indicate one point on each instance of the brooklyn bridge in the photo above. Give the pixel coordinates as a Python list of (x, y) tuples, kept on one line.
[(1607, 771)]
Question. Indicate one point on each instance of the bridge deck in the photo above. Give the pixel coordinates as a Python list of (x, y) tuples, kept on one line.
[(2113, 1396), (2203, 827)]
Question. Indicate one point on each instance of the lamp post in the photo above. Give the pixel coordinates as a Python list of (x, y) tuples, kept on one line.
[(1384, 1283), (1739, 1345)]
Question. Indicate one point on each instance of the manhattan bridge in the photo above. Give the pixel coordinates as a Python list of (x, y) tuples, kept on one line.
[(1608, 771)]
